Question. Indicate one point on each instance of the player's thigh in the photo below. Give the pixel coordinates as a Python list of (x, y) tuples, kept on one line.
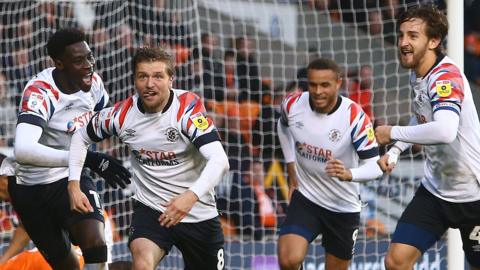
[(145, 225), (332, 262), (145, 253), (201, 244), (340, 233), (302, 218), (471, 243), (69, 217), (422, 223), (33, 205), (86, 230)]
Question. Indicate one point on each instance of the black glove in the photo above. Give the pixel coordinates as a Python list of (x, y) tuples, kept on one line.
[(108, 168)]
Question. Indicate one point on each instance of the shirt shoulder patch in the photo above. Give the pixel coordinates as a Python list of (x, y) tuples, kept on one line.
[(199, 121), (443, 88)]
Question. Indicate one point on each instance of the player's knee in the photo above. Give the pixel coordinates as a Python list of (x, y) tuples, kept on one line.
[(96, 254), (289, 260), (139, 264), (394, 262)]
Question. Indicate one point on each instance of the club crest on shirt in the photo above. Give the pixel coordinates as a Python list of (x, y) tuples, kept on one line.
[(172, 134), (199, 121), (334, 135), (444, 88), (35, 100)]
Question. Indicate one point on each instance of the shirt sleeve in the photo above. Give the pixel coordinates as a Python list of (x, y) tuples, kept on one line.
[(286, 142), (286, 106), (36, 107), (194, 121), (362, 134), (103, 98), (433, 132), (446, 89)]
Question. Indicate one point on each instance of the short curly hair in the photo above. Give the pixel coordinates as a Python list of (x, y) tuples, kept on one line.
[(63, 38), (435, 20)]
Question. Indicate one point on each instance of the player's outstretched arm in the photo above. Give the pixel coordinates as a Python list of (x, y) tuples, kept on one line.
[(29, 151), (104, 165), (442, 130)]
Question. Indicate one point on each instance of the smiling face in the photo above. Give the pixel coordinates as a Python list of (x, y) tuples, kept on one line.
[(77, 65), (153, 84), (416, 50), (323, 85)]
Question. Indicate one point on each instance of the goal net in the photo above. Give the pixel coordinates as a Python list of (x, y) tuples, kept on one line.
[(241, 57)]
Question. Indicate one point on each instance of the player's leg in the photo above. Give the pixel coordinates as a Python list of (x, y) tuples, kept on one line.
[(146, 254), (419, 227), (292, 249), (201, 244), (88, 230), (401, 256), (301, 226), (340, 231), (33, 204), (148, 241), (332, 262), (470, 233)]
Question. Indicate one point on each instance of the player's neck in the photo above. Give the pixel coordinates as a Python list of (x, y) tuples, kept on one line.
[(426, 64), (63, 83)]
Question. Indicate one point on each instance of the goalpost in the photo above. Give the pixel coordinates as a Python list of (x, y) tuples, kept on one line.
[(281, 37)]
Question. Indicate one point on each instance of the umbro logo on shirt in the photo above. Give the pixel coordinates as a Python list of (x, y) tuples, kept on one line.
[(68, 107), (130, 132), (299, 125)]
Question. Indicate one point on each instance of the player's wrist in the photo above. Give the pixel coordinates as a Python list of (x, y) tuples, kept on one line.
[(194, 197), (73, 185)]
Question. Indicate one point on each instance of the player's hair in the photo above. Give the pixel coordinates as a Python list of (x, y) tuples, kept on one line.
[(435, 21), (325, 63), (153, 54), (63, 38)]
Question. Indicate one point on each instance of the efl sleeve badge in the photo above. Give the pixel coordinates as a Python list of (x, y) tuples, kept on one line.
[(199, 121), (444, 88)]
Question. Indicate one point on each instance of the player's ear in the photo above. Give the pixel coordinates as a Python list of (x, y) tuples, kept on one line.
[(433, 43), (58, 63)]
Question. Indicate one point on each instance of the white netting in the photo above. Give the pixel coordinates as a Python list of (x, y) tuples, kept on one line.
[(242, 57)]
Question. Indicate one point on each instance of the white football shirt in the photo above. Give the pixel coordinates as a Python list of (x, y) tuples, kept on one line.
[(59, 114), (452, 171), (346, 134), (163, 148)]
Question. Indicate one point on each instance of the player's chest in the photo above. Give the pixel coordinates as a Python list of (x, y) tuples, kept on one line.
[(421, 102), (71, 114), (320, 130), (155, 134)]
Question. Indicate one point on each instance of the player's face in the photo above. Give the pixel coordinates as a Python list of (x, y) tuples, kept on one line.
[(323, 85), (414, 46), (78, 65), (153, 85)]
